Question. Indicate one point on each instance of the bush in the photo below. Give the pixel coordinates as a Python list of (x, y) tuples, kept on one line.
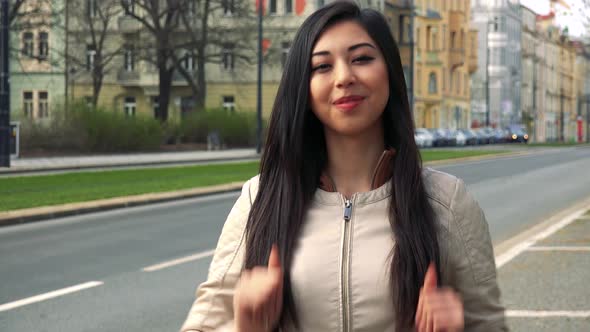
[(236, 129), (85, 129)]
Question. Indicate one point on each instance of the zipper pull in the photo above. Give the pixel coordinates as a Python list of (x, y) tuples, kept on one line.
[(347, 210)]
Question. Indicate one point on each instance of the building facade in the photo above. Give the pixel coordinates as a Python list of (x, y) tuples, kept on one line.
[(37, 67), (496, 82), (439, 53)]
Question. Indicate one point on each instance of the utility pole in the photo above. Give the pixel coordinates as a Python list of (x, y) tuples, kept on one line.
[(495, 24), (561, 136), (5, 133), (259, 83), (412, 46), (534, 133)]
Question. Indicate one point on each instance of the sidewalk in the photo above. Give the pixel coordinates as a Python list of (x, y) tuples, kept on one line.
[(140, 159), (545, 286)]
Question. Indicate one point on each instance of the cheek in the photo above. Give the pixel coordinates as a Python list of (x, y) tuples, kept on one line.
[(319, 93)]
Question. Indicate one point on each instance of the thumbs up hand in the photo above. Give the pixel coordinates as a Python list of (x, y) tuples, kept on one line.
[(439, 309), (258, 298)]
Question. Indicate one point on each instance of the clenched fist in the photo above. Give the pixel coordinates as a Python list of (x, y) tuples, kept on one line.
[(258, 297), (439, 309)]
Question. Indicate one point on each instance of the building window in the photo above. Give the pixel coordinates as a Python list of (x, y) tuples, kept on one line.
[(444, 71), (453, 36), (288, 6), (188, 61), (444, 37), (129, 6), (285, 47), (227, 55), (432, 83), (156, 105), (187, 105), (129, 59), (43, 45), (229, 103), (91, 8), (90, 57), (28, 104), (130, 106), (28, 45), (418, 79), (43, 110), (228, 7), (272, 7)]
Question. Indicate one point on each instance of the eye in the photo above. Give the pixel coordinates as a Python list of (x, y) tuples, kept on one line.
[(321, 67), (364, 59)]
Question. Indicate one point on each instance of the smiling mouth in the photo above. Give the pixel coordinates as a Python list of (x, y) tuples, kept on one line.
[(348, 104)]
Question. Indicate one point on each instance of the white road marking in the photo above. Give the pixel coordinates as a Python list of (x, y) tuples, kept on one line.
[(50, 295), (178, 261), (524, 245), (545, 313), (558, 248)]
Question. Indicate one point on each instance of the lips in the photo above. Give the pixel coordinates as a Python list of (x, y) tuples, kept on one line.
[(348, 99), (349, 103)]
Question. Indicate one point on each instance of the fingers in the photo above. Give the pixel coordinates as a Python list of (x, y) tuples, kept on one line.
[(439, 310), (430, 281)]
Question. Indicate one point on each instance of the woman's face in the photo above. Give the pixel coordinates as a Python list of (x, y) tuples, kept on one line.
[(349, 85)]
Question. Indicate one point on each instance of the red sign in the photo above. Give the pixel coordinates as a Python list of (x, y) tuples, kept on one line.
[(299, 7)]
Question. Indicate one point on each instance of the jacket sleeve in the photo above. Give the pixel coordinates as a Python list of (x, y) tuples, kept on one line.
[(472, 264), (213, 307)]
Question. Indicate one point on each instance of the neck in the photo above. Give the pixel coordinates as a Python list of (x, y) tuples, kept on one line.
[(352, 160)]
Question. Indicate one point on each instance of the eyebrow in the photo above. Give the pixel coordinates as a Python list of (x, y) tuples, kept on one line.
[(352, 48)]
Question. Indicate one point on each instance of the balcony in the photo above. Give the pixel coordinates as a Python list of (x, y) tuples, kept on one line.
[(432, 58), (128, 24), (456, 57), (128, 78)]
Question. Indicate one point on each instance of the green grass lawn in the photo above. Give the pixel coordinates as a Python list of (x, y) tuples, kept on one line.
[(34, 191)]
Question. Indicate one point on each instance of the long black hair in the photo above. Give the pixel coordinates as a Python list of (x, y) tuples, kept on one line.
[(295, 156)]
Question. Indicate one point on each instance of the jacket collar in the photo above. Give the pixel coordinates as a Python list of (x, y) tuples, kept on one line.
[(383, 172)]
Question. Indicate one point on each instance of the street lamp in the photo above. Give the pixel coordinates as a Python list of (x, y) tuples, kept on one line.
[(4, 87), (495, 23)]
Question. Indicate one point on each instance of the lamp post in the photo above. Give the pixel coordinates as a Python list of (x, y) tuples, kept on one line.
[(259, 82), (5, 133), (495, 23)]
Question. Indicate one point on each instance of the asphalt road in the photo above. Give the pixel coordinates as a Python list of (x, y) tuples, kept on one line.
[(113, 248)]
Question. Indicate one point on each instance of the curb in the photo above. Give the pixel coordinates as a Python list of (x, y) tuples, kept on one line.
[(16, 217), (114, 166), (22, 216)]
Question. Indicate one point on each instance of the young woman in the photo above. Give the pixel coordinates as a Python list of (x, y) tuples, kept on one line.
[(343, 230)]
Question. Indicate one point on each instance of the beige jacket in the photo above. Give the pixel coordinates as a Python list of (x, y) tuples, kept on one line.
[(340, 268)]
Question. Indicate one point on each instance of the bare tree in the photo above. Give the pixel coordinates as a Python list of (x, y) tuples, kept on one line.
[(210, 42), (95, 41), (178, 29)]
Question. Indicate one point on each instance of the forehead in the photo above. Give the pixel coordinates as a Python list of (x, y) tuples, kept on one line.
[(341, 35)]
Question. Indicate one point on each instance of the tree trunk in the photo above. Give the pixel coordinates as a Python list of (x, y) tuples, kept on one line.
[(165, 76)]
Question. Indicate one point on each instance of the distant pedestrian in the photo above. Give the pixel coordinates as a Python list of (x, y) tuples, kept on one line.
[(343, 230)]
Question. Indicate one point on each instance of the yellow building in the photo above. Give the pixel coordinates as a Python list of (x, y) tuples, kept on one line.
[(444, 56)]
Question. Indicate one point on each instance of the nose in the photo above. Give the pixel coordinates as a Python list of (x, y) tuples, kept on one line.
[(345, 76)]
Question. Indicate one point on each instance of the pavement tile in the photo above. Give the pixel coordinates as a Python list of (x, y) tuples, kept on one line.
[(575, 234), (546, 280), (549, 324)]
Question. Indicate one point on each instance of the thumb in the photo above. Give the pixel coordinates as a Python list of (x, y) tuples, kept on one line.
[(430, 281), (274, 260)]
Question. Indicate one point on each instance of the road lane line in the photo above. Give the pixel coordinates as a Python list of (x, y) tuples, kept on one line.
[(49, 295), (178, 261), (559, 248), (547, 313), (518, 248)]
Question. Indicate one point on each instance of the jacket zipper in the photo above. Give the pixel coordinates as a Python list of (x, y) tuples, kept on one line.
[(346, 265)]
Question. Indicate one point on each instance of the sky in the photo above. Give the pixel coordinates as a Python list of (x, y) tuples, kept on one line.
[(572, 18)]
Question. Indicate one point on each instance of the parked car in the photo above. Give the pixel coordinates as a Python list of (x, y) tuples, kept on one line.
[(424, 137), (439, 137), (500, 136), (451, 139), (482, 137), (460, 138), (518, 134), (470, 136)]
